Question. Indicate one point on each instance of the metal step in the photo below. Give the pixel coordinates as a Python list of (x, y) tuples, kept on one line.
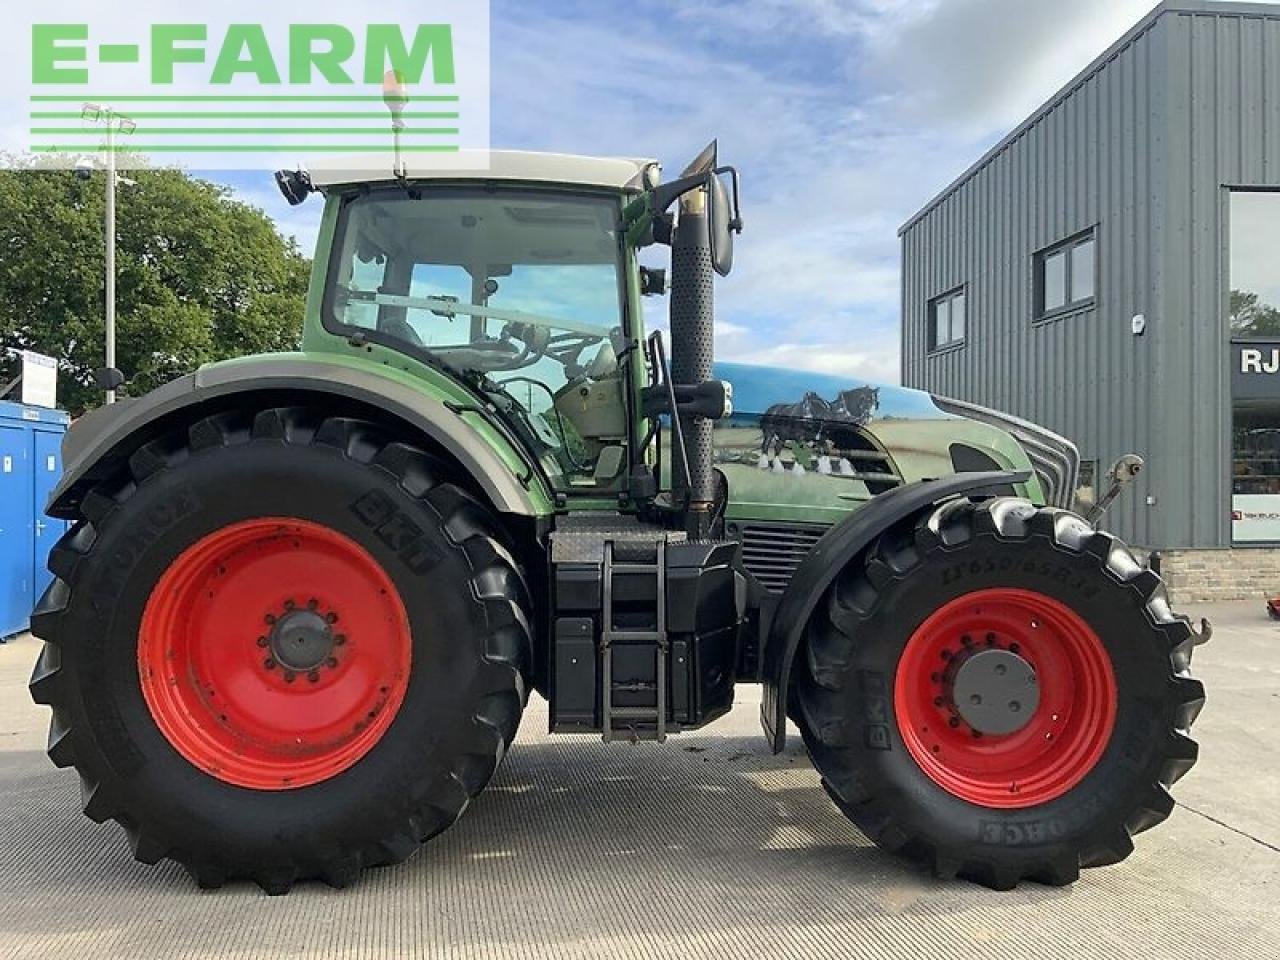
[(657, 715), (644, 636)]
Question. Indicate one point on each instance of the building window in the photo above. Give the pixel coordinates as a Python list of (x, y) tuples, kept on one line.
[(947, 319), (1253, 322), (1066, 275)]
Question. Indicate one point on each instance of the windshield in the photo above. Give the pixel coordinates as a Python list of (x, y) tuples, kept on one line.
[(519, 291)]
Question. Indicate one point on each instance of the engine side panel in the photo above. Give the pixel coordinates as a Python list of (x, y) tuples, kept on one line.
[(810, 448)]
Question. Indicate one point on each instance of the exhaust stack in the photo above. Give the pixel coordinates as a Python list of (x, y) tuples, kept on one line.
[(692, 353), (701, 239)]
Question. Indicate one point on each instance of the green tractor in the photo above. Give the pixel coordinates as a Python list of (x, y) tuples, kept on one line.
[(306, 596)]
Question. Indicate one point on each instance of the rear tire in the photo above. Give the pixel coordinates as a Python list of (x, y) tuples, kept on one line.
[(203, 776), (1119, 688)]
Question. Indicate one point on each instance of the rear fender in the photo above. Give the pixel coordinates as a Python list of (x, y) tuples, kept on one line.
[(840, 546), (99, 441)]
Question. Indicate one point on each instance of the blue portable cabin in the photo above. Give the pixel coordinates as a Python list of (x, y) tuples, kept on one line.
[(30, 465)]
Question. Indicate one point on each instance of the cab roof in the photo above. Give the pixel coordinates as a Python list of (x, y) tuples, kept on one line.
[(618, 173)]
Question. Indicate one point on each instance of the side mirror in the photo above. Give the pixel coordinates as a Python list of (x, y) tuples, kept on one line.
[(724, 223), (648, 221)]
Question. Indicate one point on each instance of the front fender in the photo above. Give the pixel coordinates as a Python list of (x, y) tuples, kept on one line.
[(838, 546), (99, 441)]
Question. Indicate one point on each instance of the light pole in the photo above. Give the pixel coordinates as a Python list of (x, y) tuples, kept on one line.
[(114, 122)]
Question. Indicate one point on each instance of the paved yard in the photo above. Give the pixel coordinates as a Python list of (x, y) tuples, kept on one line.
[(707, 847)]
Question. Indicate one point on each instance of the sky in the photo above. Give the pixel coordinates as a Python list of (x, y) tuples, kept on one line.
[(844, 117)]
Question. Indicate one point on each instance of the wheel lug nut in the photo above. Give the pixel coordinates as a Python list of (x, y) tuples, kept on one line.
[(269, 619), (991, 639), (975, 699), (269, 663), (331, 663), (938, 701), (314, 676), (289, 676), (289, 604), (954, 722), (330, 617), (967, 640), (340, 639), (312, 603), (262, 641)]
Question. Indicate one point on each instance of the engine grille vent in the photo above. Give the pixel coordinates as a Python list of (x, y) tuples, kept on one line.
[(1055, 459), (772, 551)]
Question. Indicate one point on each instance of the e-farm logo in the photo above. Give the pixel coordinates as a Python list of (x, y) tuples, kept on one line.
[(251, 89)]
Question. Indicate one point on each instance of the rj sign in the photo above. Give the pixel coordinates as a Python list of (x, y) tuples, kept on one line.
[(256, 86)]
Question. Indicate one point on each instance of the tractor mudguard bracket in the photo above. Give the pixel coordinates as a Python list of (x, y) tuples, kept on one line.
[(838, 546)]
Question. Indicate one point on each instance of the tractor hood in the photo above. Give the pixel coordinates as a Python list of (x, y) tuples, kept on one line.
[(758, 389), (804, 446)]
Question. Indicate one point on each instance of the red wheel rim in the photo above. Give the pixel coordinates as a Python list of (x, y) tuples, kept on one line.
[(1062, 740), (274, 653)]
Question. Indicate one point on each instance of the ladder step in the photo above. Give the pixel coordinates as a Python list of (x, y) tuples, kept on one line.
[(637, 687), (634, 713), (648, 636), (615, 718), (635, 568)]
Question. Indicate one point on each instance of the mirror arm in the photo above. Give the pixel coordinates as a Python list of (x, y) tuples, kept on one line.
[(735, 222), (663, 196)]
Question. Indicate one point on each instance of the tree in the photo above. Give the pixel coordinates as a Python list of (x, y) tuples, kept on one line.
[(200, 277), (1253, 317)]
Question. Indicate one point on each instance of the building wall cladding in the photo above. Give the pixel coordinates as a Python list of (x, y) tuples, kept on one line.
[(1139, 147)]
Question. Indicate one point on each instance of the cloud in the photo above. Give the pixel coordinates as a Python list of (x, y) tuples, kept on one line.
[(879, 363), (844, 117), (974, 66)]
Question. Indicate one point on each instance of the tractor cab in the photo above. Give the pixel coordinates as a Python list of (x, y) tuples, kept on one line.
[(522, 282), (519, 292)]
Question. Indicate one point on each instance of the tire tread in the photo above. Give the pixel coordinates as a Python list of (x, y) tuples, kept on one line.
[(496, 583), (830, 652)]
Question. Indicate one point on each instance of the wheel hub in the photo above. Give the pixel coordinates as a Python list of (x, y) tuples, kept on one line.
[(995, 692), (963, 670), (274, 653), (301, 640)]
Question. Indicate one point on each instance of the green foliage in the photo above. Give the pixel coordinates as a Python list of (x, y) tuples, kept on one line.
[(1252, 317), (199, 277)]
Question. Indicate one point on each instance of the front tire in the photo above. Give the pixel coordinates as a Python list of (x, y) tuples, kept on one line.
[(915, 644), (282, 647)]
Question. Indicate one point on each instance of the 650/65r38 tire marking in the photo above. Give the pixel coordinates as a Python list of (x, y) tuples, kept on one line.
[(274, 653)]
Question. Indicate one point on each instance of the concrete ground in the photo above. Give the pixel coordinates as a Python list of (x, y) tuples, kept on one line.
[(705, 847)]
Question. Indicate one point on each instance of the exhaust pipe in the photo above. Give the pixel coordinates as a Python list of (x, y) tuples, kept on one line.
[(692, 353), (701, 240)]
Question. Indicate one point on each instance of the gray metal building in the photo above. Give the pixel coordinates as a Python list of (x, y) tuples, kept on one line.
[(1109, 266)]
